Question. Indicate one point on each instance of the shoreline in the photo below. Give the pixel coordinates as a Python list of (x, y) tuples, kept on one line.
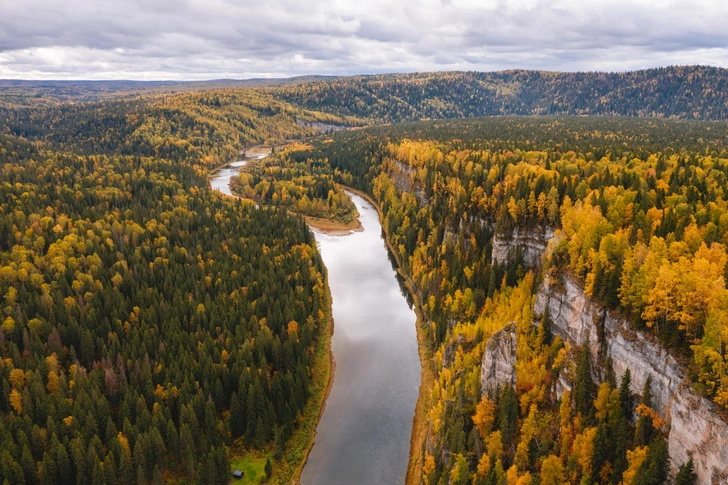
[(285, 472), (292, 472), (332, 228), (259, 149), (427, 379), (295, 478)]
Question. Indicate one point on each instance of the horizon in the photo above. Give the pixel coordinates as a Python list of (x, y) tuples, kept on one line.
[(327, 76)]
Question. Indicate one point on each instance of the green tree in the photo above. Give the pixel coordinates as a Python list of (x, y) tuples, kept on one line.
[(686, 475), (584, 387)]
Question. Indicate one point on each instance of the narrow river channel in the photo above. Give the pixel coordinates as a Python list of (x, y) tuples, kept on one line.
[(363, 437), (364, 434), (221, 179)]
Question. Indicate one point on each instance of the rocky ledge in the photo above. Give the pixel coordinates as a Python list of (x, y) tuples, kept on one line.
[(531, 241), (499, 361), (695, 427)]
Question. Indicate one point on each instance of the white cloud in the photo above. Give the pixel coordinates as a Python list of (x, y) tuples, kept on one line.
[(204, 39)]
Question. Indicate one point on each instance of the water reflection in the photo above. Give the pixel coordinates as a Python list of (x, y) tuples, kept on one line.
[(364, 434)]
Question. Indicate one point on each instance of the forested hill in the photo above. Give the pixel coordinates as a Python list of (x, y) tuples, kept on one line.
[(692, 92), (202, 127), (641, 211)]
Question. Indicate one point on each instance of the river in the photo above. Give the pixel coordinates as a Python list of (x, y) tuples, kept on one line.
[(364, 434), (221, 178), (363, 437)]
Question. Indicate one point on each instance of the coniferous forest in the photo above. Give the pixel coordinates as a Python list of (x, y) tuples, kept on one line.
[(148, 323)]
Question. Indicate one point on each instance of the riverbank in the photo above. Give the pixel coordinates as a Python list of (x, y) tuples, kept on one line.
[(251, 153), (424, 346), (332, 227), (364, 434), (288, 469), (300, 444)]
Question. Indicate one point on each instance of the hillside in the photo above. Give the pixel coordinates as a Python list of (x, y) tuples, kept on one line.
[(150, 324), (44, 93), (674, 92), (632, 279), (205, 127)]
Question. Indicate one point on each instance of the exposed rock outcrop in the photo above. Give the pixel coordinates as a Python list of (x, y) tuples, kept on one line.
[(532, 243), (448, 356), (695, 427), (499, 361), (404, 177)]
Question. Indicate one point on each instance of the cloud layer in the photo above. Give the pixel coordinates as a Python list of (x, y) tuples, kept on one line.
[(209, 39)]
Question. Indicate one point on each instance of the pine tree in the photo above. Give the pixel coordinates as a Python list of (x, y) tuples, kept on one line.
[(268, 468), (686, 475), (237, 420), (645, 430), (584, 387), (625, 395)]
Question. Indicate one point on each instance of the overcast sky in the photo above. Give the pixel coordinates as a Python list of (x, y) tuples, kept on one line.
[(210, 39)]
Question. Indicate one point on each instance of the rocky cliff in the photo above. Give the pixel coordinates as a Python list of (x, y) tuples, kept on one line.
[(531, 241), (499, 361), (695, 428)]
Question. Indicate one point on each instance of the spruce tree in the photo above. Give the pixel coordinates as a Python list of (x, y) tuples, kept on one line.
[(546, 325), (625, 395), (686, 475), (508, 416), (584, 387), (644, 430), (655, 469), (237, 420)]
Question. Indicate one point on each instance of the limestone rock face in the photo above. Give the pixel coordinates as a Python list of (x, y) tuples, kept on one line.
[(531, 241), (695, 426), (499, 361)]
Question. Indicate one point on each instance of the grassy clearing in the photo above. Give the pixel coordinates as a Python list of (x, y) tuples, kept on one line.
[(253, 469)]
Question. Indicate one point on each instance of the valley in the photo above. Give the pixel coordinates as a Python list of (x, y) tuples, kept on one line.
[(514, 299)]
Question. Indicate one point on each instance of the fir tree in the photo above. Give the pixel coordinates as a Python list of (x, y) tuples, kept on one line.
[(625, 395), (686, 475), (584, 387)]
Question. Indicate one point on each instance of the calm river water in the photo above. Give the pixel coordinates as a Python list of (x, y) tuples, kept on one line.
[(364, 435), (221, 180)]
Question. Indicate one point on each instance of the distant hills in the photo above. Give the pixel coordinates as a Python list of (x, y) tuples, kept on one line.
[(691, 92), (29, 92), (684, 92)]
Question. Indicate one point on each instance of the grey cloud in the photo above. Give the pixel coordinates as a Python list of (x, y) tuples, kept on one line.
[(200, 39)]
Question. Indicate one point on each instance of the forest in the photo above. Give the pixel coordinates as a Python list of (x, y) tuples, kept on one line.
[(686, 92), (205, 128), (152, 330), (302, 187), (642, 209)]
